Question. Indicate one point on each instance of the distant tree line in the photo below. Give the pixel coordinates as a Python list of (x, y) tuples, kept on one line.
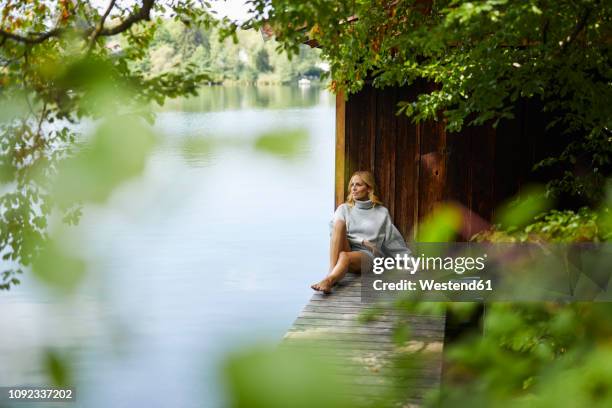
[(250, 60)]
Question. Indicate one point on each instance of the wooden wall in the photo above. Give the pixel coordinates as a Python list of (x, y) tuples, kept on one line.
[(418, 166)]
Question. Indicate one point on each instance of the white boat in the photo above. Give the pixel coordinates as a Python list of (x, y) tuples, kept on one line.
[(304, 82)]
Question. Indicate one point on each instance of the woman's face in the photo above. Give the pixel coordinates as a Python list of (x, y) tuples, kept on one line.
[(359, 189)]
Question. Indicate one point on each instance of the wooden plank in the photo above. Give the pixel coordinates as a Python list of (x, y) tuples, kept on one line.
[(458, 181), (356, 313), (387, 331), (408, 348), (372, 127), (407, 164), (344, 332), (354, 317), (341, 166), (306, 336), (384, 146), (368, 309), (384, 360), (337, 302), (360, 124), (359, 365), (482, 172), (509, 153), (428, 354), (419, 339), (432, 169)]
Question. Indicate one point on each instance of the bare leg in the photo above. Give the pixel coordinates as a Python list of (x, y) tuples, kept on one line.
[(347, 261), (338, 243)]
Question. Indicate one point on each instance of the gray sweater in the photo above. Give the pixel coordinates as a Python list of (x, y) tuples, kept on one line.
[(369, 222)]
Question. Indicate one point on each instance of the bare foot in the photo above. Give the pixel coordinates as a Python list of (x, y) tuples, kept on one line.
[(324, 286)]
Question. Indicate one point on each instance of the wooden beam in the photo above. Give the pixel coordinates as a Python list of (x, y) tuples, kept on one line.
[(340, 171)]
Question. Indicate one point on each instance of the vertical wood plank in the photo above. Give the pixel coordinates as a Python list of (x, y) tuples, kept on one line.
[(482, 176), (359, 126), (372, 116), (385, 146), (407, 163), (341, 168), (432, 167), (459, 155)]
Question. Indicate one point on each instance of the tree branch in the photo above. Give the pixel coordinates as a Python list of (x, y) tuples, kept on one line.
[(40, 121), (577, 29), (32, 39), (143, 13), (100, 25)]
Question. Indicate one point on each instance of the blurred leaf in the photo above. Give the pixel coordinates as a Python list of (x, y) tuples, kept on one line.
[(57, 268), (117, 152), (370, 314), (401, 334), (267, 378), (283, 143), (442, 225), (588, 384), (57, 367), (13, 107), (7, 171), (521, 210)]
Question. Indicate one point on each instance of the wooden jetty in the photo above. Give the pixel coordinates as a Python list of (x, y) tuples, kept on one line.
[(373, 362)]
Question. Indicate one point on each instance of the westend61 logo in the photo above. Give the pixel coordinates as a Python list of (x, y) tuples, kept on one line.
[(412, 264), (504, 272)]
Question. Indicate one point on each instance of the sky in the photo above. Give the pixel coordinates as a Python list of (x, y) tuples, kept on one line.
[(234, 9)]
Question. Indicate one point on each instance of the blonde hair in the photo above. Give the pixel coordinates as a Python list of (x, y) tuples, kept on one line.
[(368, 179)]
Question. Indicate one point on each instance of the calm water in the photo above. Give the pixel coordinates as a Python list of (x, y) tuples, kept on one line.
[(212, 248)]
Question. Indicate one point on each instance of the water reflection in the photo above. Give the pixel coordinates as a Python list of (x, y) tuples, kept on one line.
[(198, 151), (213, 247), (219, 98)]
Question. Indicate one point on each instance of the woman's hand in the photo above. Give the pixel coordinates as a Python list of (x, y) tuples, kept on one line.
[(372, 247)]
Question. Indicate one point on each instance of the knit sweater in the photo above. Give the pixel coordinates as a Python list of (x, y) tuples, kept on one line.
[(366, 221)]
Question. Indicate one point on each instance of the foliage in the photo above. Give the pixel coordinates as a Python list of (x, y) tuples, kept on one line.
[(62, 63), (538, 354), (528, 218), (583, 225), (478, 59)]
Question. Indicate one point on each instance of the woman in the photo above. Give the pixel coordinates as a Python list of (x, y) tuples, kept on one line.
[(362, 229)]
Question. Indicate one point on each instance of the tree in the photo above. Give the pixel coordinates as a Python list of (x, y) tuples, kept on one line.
[(262, 61), (481, 56), (62, 62)]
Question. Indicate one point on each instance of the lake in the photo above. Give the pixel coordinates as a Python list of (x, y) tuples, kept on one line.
[(213, 248)]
